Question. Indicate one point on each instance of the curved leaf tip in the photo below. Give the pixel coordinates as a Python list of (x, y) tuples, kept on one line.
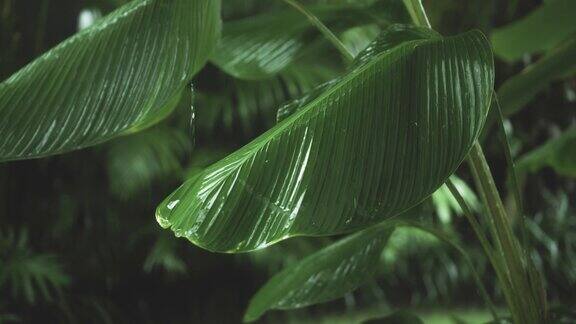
[(373, 144)]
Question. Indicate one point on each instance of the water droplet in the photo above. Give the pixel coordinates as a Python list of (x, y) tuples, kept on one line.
[(192, 115)]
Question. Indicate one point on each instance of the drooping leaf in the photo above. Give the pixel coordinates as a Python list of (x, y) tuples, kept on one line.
[(375, 143), (117, 76), (325, 275), (538, 32), (520, 89), (558, 153), (258, 47)]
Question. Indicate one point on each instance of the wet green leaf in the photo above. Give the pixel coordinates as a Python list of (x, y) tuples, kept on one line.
[(118, 76), (375, 143), (257, 47)]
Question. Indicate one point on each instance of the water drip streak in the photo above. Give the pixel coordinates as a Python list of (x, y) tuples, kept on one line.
[(192, 126)]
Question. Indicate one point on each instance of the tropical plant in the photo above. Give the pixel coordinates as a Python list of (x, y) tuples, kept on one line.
[(358, 117)]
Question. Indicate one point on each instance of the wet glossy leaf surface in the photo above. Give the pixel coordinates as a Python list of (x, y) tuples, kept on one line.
[(120, 75), (258, 47), (375, 143)]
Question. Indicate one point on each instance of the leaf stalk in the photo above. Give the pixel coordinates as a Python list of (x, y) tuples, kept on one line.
[(323, 29), (519, 279)]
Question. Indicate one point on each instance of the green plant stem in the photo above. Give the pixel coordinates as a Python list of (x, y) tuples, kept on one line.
[(42, 17), (445, 238), (483, 241), (471, 219), (519, 281), (515, 272), (417, 13), (513, 177), (323, 29)]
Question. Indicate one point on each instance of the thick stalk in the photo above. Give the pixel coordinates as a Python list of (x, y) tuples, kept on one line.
[(443, 237), (519, 285), (514, 269), (417, 13), (323, 29)]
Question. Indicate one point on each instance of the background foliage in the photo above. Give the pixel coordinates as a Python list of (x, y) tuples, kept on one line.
[(78, 242)]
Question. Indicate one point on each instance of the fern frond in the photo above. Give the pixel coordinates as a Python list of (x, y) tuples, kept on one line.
[(163, 255), (31, 276)]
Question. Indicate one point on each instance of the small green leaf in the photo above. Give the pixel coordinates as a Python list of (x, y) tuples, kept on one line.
[(375, 143), (558, 153), (539, 31), (115, 77), (520, 89), (325, 275)]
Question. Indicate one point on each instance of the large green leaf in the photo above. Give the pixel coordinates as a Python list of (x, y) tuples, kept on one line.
[(376, 142), (257, 47), (541, 30), (520, 89), (325, 275), (118, 76)]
